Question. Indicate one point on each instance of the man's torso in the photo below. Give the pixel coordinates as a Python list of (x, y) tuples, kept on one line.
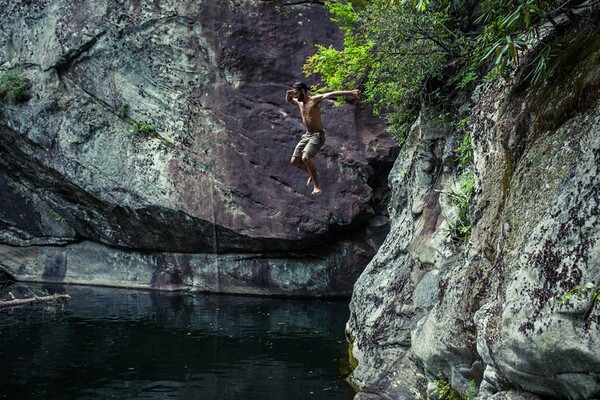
[(311, 115)]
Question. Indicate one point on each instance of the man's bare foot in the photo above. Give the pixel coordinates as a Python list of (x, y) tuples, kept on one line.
[(316, 192)]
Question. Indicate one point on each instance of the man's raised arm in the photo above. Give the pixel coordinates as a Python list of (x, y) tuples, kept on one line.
[(289, 96)]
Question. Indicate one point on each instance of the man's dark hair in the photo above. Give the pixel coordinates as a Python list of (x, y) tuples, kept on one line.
[(301, 85)]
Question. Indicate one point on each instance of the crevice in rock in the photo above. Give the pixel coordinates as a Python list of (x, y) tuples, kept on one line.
[(66, 61), (302, 3), (5, 276)]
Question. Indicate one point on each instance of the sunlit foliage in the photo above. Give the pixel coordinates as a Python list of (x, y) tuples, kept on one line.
[(407, 53)]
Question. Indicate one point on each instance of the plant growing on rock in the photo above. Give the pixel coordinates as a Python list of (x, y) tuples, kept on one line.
[(460, 229), (444, 391), (589, 290), (512, 26), (56, 217), (461, 198), (145, 128), (142, 127), (464, 152), (14, 87)]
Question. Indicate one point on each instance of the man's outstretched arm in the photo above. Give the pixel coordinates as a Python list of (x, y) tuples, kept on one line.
[(339, 93)]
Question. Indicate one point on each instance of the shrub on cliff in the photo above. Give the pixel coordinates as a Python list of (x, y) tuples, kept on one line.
[(395, 53), (14, 87)]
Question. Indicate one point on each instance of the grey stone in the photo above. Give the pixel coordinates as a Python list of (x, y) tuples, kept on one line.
[(91, 263), (494, 321)]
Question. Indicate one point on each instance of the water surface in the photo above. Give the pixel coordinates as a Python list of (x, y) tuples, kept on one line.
[(121, 344)]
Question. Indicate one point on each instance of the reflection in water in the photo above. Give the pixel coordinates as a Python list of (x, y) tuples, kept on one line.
[(120, 344)]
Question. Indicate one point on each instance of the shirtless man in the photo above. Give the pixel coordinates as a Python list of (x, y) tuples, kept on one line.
[(312, 141)]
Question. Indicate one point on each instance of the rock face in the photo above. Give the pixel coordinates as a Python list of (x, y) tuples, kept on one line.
[(160, 128), (486, 315)]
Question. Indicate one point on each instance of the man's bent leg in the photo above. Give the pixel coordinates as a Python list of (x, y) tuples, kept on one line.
[(297, 161), (312, 170)]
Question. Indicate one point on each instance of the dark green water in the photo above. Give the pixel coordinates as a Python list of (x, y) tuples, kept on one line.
[(120, 344)]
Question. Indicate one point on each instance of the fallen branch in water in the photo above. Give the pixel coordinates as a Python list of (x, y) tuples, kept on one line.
[(34, 300)]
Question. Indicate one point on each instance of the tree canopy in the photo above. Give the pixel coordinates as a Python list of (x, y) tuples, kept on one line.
[(406, 53)]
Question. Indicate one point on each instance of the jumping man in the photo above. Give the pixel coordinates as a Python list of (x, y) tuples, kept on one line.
[(314, 138)]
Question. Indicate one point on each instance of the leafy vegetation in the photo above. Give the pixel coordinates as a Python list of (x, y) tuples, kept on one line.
[(589, 290), (392, 52), (404, 54), (14, 87), (464, 152), (460, 229), (57, 217), (445, 391), (408, 54), (142, 127), (511, 26)]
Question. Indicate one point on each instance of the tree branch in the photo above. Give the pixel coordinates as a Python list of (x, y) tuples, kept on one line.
[(34, 300)]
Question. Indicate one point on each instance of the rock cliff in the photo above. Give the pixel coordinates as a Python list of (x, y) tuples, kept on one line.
[(154, 152), (485, 317), (155, 149)]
